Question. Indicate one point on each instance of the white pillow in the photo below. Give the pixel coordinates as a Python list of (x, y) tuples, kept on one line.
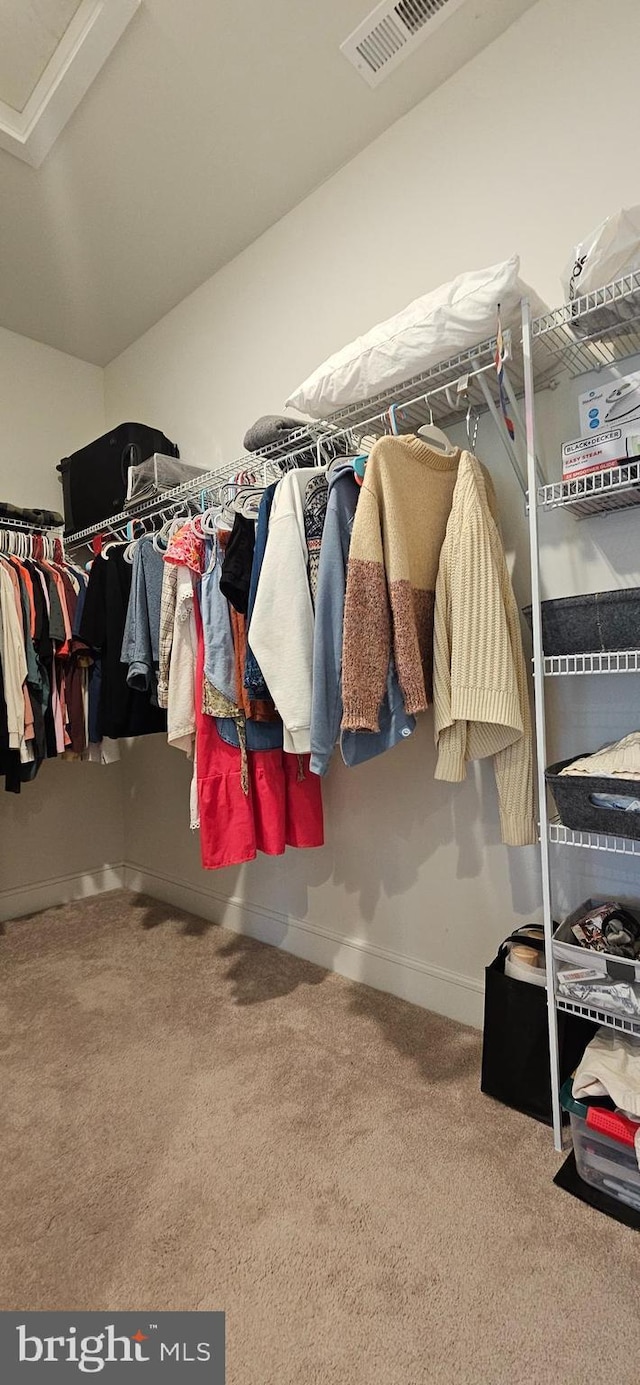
[(432, 328)]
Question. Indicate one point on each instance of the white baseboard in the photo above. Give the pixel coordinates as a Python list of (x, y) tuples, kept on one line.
[(59, 889), (434, 988)]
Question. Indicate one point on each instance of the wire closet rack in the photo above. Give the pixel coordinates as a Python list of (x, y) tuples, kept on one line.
[(464, 383), (22, 526), (596, 331)]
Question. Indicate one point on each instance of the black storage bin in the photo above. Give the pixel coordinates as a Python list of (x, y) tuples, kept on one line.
[(619, 618), (94, 479), (515, 1049), (572, 796), (593, 624)]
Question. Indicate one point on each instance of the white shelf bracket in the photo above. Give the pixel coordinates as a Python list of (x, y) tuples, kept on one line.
[(506, 441)]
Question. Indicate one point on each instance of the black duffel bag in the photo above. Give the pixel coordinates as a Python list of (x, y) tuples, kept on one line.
[(94, 479), (516, 1068)]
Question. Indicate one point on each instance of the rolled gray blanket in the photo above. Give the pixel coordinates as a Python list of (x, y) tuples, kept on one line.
[(269, 429)]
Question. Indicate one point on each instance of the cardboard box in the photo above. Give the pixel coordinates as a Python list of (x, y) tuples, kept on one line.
[(614, 405), (597, 452)]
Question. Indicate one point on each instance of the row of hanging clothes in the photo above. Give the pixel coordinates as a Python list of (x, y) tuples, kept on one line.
[(44, 667), (375, 587), (265, 625), (327, 608), (166, 617)]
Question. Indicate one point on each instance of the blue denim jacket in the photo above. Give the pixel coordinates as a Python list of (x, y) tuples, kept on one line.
[(219, 659), (261, 735)]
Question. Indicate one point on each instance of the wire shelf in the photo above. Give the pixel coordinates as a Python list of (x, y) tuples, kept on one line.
[(594, 331), (593, 1012), (440, 390), (205, 484), (608, 661), (442, 382), (444, 392), (21, 526), (617, 488), (559, 835)]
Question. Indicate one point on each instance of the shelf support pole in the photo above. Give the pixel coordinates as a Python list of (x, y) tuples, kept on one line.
[(515, 409), (539, 689), (502, 432)]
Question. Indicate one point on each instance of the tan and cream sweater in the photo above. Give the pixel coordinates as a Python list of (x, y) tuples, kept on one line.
[(481, 698), (398, 531)]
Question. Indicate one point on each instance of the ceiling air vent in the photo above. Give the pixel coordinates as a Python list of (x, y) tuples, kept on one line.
[(391, 32)]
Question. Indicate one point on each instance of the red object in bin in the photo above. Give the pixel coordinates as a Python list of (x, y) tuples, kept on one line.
[(613, 1124)]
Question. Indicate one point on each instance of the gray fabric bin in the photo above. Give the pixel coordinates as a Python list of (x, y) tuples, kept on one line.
[(593, 624), (572, 797)]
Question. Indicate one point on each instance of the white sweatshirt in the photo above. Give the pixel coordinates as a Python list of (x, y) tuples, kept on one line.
[(281, 628)]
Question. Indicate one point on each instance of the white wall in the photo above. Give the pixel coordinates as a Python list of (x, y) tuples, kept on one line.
[(59, 834), (50, 404), (413, 889)]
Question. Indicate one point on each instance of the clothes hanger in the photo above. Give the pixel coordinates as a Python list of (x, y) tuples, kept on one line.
[(226, 516), (208, 522), (114, 542), (434, 436), (323, 453), (160, 535), (196, 520), (247, 501), (472, 421), (133, 541), (172, 521)]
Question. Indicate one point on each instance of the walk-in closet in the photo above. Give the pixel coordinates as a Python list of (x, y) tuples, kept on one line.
[(319, 656)]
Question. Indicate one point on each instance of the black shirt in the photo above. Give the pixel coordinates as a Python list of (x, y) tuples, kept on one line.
[(236, 567), (124, 711)]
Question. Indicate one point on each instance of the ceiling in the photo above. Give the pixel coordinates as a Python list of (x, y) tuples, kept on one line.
[(209, 121), (30, 31)]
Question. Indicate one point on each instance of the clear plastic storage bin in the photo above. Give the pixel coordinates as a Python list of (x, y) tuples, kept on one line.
[(603, 1144), (157, 474)]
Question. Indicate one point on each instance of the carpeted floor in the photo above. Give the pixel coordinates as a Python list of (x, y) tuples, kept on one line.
[(193, 1120)]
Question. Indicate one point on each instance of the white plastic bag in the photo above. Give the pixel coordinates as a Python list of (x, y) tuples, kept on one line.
[(610, 251)]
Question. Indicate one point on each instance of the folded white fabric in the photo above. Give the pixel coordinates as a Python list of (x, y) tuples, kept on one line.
[(610, 1066), (437, 325), (618, 761)]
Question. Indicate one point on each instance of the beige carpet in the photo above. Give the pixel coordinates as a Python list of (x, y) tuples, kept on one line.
[(193, 1120)]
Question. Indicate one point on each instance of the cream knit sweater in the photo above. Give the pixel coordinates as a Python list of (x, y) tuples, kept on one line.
[(398, 530), (481, 699)]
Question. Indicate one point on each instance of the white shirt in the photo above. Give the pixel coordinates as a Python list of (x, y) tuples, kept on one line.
[(281, 628)]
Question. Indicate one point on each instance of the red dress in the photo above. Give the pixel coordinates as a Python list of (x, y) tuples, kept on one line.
[(283, 806)]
